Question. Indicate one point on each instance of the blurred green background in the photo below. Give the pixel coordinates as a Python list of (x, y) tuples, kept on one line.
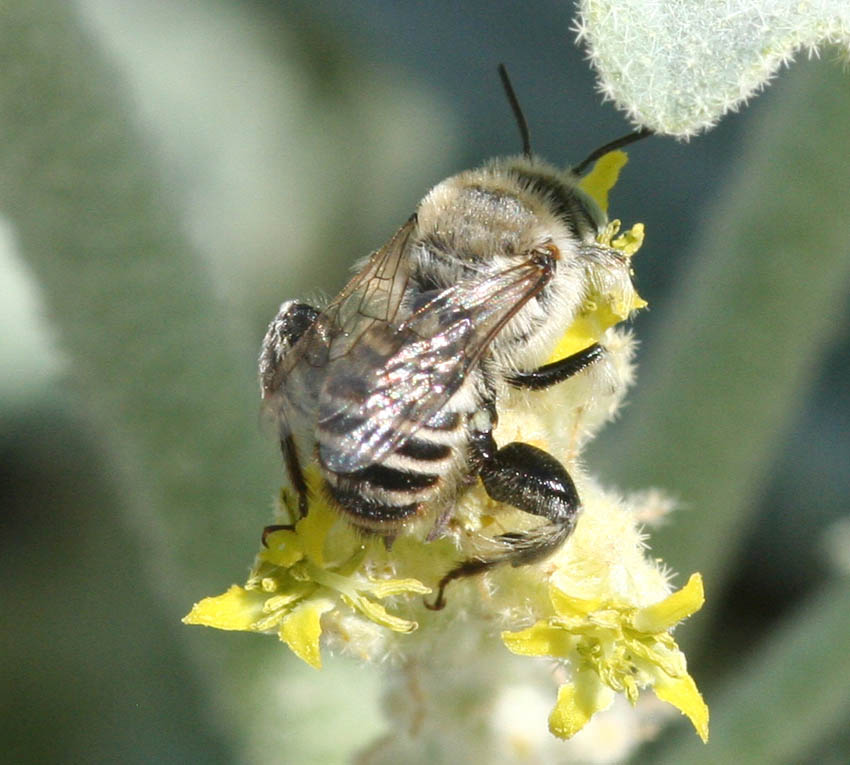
[(171, 171)]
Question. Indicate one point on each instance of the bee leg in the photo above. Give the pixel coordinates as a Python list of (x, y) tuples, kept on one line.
[(531, 480), (292, 321), (296, 478), (557, 371), (295, 473)]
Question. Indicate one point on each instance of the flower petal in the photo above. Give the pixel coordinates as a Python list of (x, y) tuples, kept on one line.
[(385, 588), (301, 629), (377, 613), (236, 609), (313, 529), (577, 703), (603, 176), (284, 549), (567, 605), (663, 615), (629, 243), (682, 693), (542, 639)]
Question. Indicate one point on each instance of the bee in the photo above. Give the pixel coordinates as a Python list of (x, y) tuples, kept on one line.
[(393, 389)]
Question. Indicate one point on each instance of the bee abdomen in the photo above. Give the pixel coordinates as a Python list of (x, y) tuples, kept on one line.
[(392, 479), (372, 514), (423, 450), (418, 473), (396, 489), (379, 496)]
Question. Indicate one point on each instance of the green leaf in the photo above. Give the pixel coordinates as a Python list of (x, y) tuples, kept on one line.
[(742, 341)]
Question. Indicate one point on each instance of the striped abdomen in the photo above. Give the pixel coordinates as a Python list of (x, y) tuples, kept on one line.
[(417, 474)]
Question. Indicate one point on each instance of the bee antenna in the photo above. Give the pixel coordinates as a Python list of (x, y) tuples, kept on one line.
[(635, 135), (517, 110)]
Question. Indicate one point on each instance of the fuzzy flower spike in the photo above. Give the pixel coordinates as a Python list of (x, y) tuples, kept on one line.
[(599, 611)]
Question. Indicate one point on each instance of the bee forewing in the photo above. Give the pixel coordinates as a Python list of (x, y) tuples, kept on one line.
[(395, 378), (372, 295)]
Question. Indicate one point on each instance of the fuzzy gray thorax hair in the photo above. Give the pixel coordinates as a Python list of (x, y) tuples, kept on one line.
[(482, 221)]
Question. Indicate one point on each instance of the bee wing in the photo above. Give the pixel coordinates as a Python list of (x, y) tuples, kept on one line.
[(372, 296), (396, 377)]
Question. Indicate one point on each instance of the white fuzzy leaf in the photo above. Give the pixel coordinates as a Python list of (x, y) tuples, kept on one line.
[(677, 67)]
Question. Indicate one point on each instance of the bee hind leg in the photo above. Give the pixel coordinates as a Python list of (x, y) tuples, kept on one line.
[(292, 321), (532, 480)]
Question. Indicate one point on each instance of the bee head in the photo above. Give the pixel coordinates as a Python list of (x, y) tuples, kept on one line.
[(505, 212), (508, 209), (484, 221)]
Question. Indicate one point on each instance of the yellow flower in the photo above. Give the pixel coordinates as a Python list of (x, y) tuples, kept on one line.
[(615, 647), (607, 304), (320, 583), (603, 177), (292, 586)]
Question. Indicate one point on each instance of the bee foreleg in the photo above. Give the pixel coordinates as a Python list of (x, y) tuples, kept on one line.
[(557, 371), (531, 480)]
